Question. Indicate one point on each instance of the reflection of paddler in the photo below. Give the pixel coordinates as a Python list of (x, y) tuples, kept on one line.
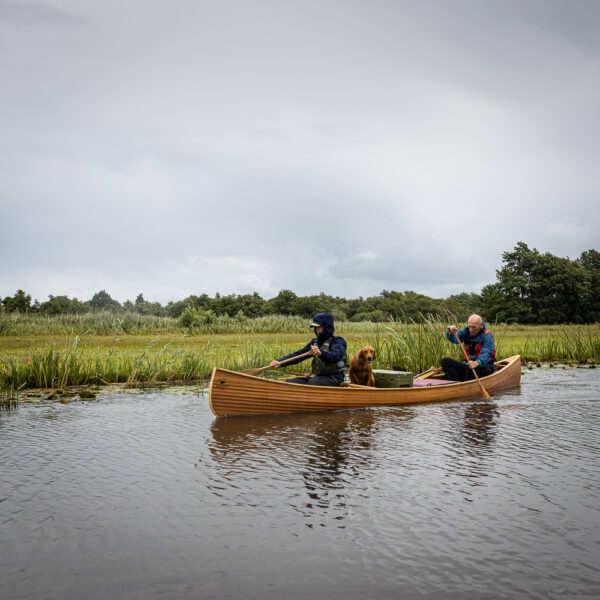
[(479, 428), (246, 435)]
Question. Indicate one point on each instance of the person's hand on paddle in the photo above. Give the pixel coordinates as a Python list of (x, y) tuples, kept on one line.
[(452, 329), (315, 350), (274, 364), (472, 364)]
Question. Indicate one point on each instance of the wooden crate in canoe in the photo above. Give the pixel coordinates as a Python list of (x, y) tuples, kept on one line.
[(392, 379)]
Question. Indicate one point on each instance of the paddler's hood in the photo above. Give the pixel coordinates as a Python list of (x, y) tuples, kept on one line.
[(326, 321)]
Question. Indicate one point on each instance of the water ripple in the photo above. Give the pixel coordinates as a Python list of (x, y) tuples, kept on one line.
[(147, 495)]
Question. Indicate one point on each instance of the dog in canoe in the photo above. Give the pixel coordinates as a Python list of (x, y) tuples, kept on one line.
[(361, 368)]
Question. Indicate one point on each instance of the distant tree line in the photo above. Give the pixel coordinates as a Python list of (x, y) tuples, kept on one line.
[(387, 305), (531, 288)]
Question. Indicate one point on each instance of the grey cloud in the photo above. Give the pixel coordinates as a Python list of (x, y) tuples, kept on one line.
[(338, 147)]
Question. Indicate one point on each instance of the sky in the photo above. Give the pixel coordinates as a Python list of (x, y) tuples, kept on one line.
[(346, 147)]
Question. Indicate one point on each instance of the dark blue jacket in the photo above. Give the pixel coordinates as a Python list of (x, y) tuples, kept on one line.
[(337, 346), (485, 338)]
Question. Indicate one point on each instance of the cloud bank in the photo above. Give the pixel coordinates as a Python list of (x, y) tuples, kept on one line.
[(344, 147)]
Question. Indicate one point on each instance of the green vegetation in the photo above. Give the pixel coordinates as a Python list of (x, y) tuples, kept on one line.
[(206, 310), (51, 359), (535, 288), (66, 342)]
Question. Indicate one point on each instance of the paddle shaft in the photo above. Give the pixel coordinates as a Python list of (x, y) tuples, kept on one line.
[(283, 362), (287, 360), (483, 390)]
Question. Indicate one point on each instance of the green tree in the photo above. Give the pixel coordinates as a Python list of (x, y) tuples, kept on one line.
[(20, 302), (143, 307), (102, 301), (590, 261), (283, 303), (464, 305), (535, 288), (58, 305)]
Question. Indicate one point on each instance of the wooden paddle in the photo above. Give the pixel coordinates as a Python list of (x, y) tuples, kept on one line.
[(259, 370), (426, 374), (483, 390)]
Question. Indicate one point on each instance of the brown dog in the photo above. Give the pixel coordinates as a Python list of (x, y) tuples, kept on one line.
[(361, 369)]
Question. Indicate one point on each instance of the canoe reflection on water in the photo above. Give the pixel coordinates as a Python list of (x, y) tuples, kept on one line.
[(339, 457), (327, 452)]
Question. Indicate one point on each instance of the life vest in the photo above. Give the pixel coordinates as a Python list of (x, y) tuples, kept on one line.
[(320, 367), (473, 348)]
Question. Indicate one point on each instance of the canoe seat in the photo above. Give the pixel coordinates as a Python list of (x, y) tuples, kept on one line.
[(428, 382)]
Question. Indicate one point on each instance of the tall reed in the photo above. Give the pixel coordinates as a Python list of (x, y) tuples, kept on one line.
[(107, 323), (418, 345), (8, 399), (412, 347), (52, 367)]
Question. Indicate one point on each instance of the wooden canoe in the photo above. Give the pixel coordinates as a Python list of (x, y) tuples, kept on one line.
[(232, 393)]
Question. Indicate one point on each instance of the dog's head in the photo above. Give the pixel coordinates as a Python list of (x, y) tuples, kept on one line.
[(367, 353)]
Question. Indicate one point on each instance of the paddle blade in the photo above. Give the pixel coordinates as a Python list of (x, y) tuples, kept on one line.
[(255, 372)]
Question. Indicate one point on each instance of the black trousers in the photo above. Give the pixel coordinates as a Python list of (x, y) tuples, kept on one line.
[(458, 371), (315, 380)]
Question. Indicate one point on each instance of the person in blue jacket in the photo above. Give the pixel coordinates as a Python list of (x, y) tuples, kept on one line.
[(479, 345), (328, 351)]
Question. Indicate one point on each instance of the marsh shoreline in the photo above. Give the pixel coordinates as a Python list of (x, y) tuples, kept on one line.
[(50, 361)]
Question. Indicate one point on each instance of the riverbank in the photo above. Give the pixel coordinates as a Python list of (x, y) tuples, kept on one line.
[(50, 361)]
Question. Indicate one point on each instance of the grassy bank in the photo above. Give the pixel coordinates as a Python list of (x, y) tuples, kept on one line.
[(45, 356)]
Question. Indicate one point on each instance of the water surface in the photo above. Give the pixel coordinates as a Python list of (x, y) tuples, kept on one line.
[(148, 495)]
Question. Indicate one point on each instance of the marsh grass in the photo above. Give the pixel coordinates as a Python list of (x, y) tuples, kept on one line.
[(418, 345), (413, 346), (107, 323), (55, 367), (8, 399)]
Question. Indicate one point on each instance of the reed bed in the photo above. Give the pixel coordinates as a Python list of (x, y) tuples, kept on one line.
[(417, 346), (54, 367), (411, 346), (108, 323), (577, 344)]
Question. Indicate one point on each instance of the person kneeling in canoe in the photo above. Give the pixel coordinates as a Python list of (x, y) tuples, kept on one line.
[(328, 352), (479, 344)]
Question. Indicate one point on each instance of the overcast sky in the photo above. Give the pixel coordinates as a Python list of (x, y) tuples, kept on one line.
[(190, 146)]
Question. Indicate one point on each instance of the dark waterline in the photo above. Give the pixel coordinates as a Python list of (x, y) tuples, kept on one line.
[(147, 495)]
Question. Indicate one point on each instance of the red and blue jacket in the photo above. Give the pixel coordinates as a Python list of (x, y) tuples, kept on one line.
[(481, 348)]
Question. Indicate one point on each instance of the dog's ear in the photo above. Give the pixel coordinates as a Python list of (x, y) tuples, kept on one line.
[(374, 355)]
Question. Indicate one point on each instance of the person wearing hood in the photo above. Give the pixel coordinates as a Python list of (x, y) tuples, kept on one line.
[(479, 345), (328, 352)]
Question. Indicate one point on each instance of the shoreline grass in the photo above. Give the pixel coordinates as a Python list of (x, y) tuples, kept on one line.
[(54, 360)]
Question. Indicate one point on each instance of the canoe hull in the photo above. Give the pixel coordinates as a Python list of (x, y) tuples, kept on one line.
[(232, 393)]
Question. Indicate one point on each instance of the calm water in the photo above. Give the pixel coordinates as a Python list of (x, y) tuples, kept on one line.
[(147, 495)]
